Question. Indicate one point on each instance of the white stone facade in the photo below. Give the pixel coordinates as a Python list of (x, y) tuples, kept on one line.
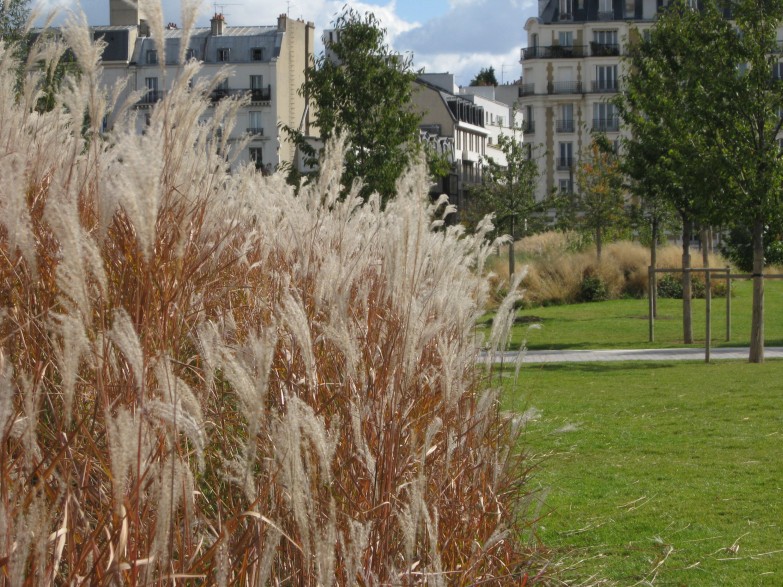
[(267, 64), (572, 69)]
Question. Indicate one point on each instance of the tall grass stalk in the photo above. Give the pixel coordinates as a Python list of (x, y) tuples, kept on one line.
[(207, 378)]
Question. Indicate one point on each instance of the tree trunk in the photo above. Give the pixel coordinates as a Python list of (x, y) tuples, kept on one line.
[(757, 322), (687, 290), (598, 243), (654, 264), (511, 253), (705, 247)]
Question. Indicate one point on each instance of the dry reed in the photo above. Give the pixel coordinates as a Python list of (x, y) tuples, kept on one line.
[(556, 271), (205, 378)]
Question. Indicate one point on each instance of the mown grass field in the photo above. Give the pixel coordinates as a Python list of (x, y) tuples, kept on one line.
[(624, 323), (658, 473)]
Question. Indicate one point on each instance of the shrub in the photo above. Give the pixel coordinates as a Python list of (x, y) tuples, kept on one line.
[(206, 377), (669, 286), (593, 289)]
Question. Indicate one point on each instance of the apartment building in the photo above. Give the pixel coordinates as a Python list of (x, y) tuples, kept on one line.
[(572, 69), (457, 121), (268, 65), (464, 123)]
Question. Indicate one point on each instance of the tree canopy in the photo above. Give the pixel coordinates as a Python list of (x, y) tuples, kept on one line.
[(599, 202), (508, 190), (361, 90), (13, 16), (703, 103), (485, 77)]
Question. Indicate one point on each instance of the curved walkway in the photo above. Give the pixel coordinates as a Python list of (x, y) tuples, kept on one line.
[(684, 354)]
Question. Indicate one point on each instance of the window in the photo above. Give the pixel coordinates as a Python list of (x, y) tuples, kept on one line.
[(257, 157), (605, 7), (255, 127), (565, 186), (605, 77), (566, 158), (630, 8), (605, 117), (566, 121), (604, 44), (566, 9), (152, 57), (565, 38), (223, 55), (605, 37), (529, 122), (777, 71), (257, 54), (190, 54), (152, 95)]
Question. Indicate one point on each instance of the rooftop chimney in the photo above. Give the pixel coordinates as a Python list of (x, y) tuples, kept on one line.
[(217, 22)]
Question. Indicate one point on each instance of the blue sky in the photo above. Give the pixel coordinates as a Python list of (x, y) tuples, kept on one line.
[(458, 36)]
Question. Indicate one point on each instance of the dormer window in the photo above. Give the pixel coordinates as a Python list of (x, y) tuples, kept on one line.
[(152, 57), (566, 9), (190, 54), (257, 54), (223, 55)]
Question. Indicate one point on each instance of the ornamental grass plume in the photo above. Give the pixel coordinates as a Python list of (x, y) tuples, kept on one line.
[(207, 378)]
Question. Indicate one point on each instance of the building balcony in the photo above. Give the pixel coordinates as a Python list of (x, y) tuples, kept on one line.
[(529, 126), (256, 94), (564, 163), (526, 90), (605, 15), (566, 125), (151, 97), (261, 94), (566, 186), (607, 86), (611, 124), (554, 52), (255, 131), (604, 49), (565, 88)]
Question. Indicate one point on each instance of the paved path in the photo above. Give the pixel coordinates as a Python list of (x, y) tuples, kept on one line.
[(684, 354)]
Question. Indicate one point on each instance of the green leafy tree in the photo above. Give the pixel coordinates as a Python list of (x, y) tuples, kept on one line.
[(508, 190), (653, 217), (718, 118), (750, 160), (670, 155), (13, 16), (598, 204), (485, 77), (360, 89)]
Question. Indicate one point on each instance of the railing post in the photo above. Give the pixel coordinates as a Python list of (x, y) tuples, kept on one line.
[(728, 304), (708, 304)]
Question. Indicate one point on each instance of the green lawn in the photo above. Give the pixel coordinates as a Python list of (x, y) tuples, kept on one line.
[(623, 323), (664, 473)]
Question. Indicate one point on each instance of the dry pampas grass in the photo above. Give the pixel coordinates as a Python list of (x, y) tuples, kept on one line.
[(207, 379)]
